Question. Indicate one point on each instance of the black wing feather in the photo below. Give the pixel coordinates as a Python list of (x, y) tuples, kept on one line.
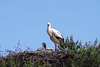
[(60, 38)]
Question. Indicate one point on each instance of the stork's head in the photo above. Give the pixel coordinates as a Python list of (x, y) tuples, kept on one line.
[(44, 45), (49, 25)]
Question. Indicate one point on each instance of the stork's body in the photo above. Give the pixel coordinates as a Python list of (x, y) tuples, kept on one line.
[(42, 48), (54, 35)]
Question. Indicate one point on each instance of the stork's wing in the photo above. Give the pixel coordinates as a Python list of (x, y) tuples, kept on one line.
[(57, 34)]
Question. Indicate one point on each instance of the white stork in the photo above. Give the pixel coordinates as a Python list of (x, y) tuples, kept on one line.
[(47, 49), (42, 48), (54, 35)]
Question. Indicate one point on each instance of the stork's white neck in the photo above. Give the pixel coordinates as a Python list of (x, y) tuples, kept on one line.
[(48, 29)]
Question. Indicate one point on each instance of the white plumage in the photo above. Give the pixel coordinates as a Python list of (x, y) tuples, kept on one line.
[(54, 35), (49, 49), (42, 48)]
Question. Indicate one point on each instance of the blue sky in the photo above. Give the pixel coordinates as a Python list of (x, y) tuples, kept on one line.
[(26, 20)]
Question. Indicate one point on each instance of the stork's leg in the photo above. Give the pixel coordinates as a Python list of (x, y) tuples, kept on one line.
[(55, 46)]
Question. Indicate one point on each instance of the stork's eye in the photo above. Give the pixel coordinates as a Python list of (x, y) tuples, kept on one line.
[(48, 25)]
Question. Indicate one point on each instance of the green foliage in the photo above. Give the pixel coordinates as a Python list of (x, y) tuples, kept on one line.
[(78, 55), (29, 64), (11, 61), (2, 63), (87, 55), (37, 62), (47, 64)]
